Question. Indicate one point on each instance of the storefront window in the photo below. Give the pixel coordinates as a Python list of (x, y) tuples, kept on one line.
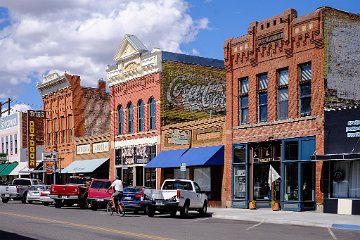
[(346, 179), (181, 174), (262, 189), (239, 182), (308, 193), (150, 176), (202, 175), (291, 182)]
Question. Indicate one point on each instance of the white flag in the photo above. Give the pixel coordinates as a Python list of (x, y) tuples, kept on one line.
[(273, 175)]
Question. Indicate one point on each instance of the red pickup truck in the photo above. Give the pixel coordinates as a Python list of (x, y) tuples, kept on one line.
[(75, 192), (98, 193)]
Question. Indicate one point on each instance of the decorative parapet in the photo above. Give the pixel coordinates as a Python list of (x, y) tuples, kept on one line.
[(52, 83)]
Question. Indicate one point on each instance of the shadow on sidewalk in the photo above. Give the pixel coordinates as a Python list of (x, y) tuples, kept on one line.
[(13, 236)]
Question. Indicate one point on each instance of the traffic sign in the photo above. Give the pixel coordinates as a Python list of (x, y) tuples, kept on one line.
[(183, 167)]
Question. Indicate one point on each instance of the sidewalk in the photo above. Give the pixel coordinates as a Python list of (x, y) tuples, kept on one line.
[(308, 218)]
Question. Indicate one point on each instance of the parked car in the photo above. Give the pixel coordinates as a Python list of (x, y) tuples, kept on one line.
[(98, 193), (45, 198), (176, 195), (18, 189), (75, 192), (33, 193), (132, 197)]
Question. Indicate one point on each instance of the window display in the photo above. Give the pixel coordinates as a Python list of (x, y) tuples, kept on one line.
[(239, 182), (291, 182)]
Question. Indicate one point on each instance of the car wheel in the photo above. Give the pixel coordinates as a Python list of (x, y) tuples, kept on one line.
[(93, 205), (184, 212), (146, 209), (58, 203), (173, 213), (151, 212), (4, 200), (203, 211)]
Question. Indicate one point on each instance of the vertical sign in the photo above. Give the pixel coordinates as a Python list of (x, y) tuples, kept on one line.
[(31, 117)]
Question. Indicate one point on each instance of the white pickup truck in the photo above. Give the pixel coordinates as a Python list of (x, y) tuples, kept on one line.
[(176, 195), (18, 189)]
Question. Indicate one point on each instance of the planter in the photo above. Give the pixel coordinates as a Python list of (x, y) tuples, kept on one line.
[(252, 205), (275, 206)]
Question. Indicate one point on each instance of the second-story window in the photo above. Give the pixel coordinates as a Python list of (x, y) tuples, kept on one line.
[(15, 143), (152, 114), (262, 97), (283, 93), (305, 89), (11, 145), (120, 120), (130, 118), (7, 145), (141, 121), (244, 101)]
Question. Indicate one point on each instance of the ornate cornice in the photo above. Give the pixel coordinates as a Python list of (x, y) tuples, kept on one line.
[(132, 68)]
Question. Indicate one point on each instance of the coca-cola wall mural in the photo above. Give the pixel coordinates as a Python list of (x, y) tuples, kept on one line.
[(192, 92)]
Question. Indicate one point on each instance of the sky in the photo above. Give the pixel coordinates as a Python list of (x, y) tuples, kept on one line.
[(81, 37)]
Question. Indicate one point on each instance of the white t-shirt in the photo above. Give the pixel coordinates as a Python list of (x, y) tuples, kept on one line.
[(118, 185)]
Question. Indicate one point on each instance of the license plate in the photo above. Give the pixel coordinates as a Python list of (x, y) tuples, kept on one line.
[(127, 198), (7, 195), (100, 200), (159, 203), (64, 197)]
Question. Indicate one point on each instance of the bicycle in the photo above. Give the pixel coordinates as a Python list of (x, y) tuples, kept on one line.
[(110, 209)]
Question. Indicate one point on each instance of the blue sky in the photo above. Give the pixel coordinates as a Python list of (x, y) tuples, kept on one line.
[(81, 37)]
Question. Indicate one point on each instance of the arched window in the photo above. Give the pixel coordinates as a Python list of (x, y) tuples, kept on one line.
[(152, 114), (141, 116), (130, 118), (120, 120)]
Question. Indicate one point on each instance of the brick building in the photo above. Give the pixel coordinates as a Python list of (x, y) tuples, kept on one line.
[(281, 76), (152, 89), (72, 111)]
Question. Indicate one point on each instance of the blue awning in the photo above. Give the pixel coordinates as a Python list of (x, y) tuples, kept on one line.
[(203, 156), (167, 159), (84, 166)]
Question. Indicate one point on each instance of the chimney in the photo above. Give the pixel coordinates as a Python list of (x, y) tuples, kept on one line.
[(102, 86)]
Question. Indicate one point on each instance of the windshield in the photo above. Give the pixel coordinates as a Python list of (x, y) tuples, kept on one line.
[(100, 184), (173, 185)]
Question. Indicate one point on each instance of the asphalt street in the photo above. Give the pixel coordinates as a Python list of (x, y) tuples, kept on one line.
[(34, 221)]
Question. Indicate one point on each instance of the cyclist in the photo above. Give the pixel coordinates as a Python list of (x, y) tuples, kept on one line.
[(117, 184)]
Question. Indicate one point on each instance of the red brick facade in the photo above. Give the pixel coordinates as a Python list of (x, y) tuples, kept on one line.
[(284, 41), (72, 111)]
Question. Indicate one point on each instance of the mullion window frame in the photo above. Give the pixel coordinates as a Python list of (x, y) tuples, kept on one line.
[(303, 83), (280, 88), (260, 92), (243, 95)]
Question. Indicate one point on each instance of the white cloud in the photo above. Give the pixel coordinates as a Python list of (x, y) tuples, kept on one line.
[(20, 108), (82, 36)]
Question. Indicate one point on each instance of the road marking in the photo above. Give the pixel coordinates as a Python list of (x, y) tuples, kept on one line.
[(258, 224), (90, 227), (332, 234)]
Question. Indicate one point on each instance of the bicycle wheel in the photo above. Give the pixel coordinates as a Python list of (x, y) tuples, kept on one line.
[(109, 208), (122, 213)]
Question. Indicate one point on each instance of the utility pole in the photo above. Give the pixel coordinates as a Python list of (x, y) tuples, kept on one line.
[(8, 109)]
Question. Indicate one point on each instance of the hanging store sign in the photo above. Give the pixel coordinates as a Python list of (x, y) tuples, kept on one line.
[(342, 131), (32, 117)]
